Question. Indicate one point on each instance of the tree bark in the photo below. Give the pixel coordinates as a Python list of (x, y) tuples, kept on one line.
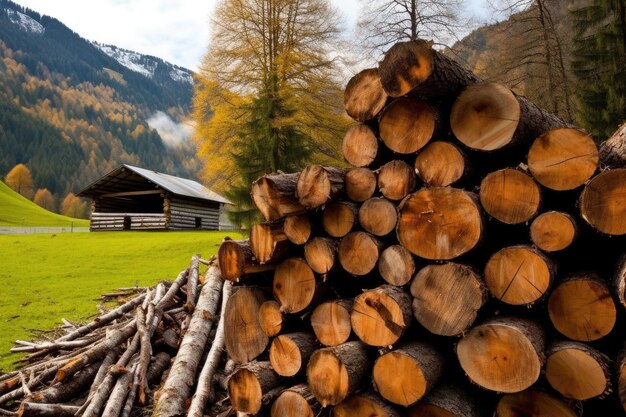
[(364, 96), (534, 403), (396, 179), (248, 384), (603, 202), (360, 146), (318, 185), (331, 322), (510, 196), (46, 410), (245, 338), (620, 280), (613, 150), (360, 184), (378, 216), (275, 196), (289, 353), (237, 260), (449, 401)]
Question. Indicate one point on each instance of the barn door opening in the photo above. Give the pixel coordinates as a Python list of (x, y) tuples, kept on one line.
[(198, 222), (126, 222)]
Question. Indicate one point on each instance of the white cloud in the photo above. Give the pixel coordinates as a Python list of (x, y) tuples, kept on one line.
[(172, 133)]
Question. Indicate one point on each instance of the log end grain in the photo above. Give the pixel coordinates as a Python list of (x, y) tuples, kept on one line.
[(320, 254), (245, 339), (396, 265), (364, 96), (510, 196), (294, 285), (328, 377), (440, 164), (359, 146), (407, 125), (270, 318), (314, 187), (274, 196), (291, 404), (378, 216), (396, 179), (297, 229), (339, 218), (364, 405), (331, 322), (553, 231), (360, 184), (405, 66), (232, 260), (358, 253), (603, 202)]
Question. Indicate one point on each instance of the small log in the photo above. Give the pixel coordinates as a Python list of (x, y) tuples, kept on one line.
[(553, 231), (320, 254), (441, 164), (249, 383), (275, 196), (317, 185), (577, 371), (563, 159), (380, 316), (364, 96), (158, 366), (510, 196), (245, 338), (404, 375), (396, 265), (621, 378), (335, 372), (378, 216), (533, 403), (620, 280), (447, 401), (489, 116), (297, 401), (289, 353), (365, 404), (407, 125), (117, 399), (331, 322), (396, 179), (503, 354), (439, 223), (447, 298), (359, 146), (294, 285), (581, 307), (339, 218), (46, 410), (297, 229), (271, 318), (63, 392), (359, 252), (268, 242), (360, 184), (603, 202), (519, 275), (237, 260), (613, 150)]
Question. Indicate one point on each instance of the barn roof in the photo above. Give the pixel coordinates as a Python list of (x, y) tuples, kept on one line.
[(128, 178)]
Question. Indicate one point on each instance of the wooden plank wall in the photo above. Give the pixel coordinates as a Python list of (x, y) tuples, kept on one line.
[(138, 221), (183, 213)]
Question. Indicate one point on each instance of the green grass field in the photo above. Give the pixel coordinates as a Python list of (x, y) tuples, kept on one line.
[(45, 277)]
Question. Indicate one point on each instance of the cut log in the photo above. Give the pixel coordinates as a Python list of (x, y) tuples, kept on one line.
[(518, 275), (407, 125), (396, 265), (335, 372), (297, 401), (294, 285), (237, 260), (297, 229), (488, 116), (563, 159), (46, 410), (359, 252), (603, 202), (339, 218), (582, 308), (360, 184), (533, 403), (440, 164), (378, 216), (365, 404), (396, 179), (416, 67), (380, 316), (331, 322), (248, 384), (553, 231), (318, 184), (63, 392), (359, 146), (245, 338), (289, 353), (320, 254), (447, 298), (439, 223), (577, 371), (621, 379), (613, 150), (268, 242), (271, 318), (620, 280), (510, 196), (447, 401), (503, 354), (406, 374), (364, 96), (275, 196)]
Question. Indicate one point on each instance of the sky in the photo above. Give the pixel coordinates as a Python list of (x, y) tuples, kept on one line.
[(176, 31)]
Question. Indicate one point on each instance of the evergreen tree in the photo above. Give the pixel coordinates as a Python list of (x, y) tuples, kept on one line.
[(600, 65)]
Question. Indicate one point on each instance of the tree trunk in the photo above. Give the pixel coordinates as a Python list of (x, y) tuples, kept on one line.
[(331, 322), (503, 354), (577, 371), (237, 260), (396, 265), (359, 252), (294, 285), (439, 223), (378, 216), (365, 404), (407, 125), (510, 196), (447, 298), (297, 401), (271, 318), (320, 254), (360, 184), (275, 196), (359, 146), (364, 96), (582, 308), (407, 373), (244, 338), (563, 159), (317, 185), (297, 229), (603, 202), (380, 316), (441, 164), (249, 383), (533, 403), (396, 179), (553, 231), (268, 242), (613, 150), (334, 372), (339, 218), (289, 353)]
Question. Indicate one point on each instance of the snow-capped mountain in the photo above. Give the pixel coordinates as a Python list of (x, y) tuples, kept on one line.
[(24, 21)]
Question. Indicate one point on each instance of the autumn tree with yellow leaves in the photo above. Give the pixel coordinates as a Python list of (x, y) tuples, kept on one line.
[(20, 180)]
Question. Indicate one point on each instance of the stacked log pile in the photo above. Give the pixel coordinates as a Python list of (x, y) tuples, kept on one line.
[(470, 263)]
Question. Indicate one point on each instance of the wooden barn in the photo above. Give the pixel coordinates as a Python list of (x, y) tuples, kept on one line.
[(132, 198)]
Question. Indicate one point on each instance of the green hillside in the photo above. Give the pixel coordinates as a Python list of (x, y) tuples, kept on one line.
[(16, 210)]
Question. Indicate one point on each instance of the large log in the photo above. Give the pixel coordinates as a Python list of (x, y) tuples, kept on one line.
[(510, 196), (320, 254), (359, 146), (396, 265), (297, 401), (447, 298), (503, 354), (360, 184), (396, 179), (275, 196), (613, 150), (237, 260), (294, 285), (297, 228), (359, 252), (365, 404), (339, 218), (248, 384), (364, 96), (447, 401), (441, 164), (407, 125), (268, 242), (553, 231), (603, 202), (439, 223), (245, 338), (533, 403), (289, 353), (378, 216), (331, 322), (317, 185)]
